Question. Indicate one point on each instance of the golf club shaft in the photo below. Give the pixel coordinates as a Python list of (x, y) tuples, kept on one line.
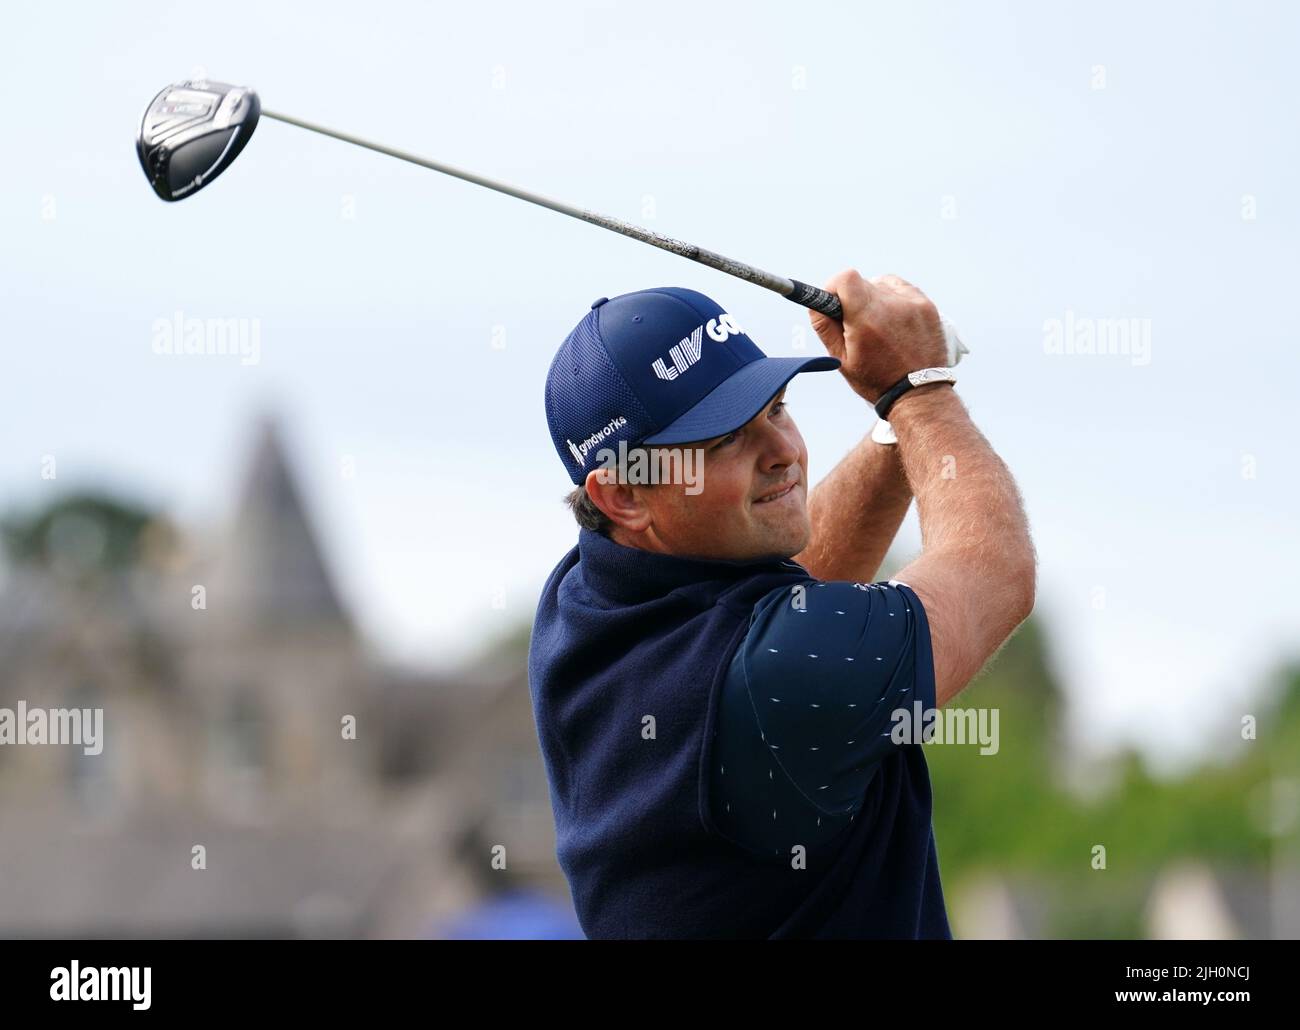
[(793, 289)]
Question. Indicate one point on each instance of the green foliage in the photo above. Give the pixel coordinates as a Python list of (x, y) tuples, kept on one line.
[(78, 536), (1011, 812)]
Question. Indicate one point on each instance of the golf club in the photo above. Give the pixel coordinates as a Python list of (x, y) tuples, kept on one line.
[(192, 132)]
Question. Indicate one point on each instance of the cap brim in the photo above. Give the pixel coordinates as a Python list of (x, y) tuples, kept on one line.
[(737, 399)]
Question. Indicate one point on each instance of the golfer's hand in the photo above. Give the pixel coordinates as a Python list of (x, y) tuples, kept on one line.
[(890, 328)]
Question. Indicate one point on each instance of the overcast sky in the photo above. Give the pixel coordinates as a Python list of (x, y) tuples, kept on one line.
[(1029, 165)]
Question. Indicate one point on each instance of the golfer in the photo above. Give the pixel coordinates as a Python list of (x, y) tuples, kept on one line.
[(729, 706)]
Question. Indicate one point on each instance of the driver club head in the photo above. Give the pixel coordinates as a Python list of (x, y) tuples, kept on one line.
[(191, 133)]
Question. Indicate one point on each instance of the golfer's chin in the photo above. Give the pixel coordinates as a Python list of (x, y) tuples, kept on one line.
[(785, 529)]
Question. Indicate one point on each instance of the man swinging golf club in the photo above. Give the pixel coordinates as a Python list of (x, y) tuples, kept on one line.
[(730, 709)]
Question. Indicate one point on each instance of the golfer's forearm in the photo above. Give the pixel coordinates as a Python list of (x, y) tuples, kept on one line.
[(966, 498), (855, 513)]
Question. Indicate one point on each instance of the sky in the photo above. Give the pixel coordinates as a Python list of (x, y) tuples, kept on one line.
[(1038, 169)]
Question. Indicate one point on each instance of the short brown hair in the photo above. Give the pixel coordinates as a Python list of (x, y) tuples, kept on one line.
[(584, 508), (585, 511)]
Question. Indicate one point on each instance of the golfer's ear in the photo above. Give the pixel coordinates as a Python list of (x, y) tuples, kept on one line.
[(622, 503)]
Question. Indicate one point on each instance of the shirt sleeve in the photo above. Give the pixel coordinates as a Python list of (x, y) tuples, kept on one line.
[(830, 679)]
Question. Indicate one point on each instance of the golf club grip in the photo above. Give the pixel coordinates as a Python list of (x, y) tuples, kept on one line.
[(819, 300)]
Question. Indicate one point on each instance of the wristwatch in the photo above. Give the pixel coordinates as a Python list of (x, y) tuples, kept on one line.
[(921, 377)]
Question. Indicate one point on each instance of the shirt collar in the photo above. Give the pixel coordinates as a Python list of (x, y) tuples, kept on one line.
[(630, 574)]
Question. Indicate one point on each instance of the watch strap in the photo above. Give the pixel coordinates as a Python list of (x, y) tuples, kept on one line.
[(921, 377)]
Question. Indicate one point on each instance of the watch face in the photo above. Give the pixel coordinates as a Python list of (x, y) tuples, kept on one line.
[(930, 375)]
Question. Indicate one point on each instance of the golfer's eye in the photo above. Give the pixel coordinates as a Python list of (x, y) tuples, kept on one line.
[(730, 438), (778, 408)]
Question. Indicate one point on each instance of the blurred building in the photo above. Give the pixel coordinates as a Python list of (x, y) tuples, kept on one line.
[(231, 797), (231, 800)]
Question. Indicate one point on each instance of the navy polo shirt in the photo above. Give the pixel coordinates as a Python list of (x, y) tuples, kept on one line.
[(809, 709), (650, 674)]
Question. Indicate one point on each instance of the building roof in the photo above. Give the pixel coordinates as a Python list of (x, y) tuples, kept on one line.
[(269, 566)]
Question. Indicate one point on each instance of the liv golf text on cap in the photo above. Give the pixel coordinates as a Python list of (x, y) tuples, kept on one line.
[(663, 366)]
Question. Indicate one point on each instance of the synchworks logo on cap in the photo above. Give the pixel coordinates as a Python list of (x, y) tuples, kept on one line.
[(661, 366), (580, 450)]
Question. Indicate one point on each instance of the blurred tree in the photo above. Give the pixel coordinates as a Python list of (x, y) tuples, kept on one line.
[(78, 536), (1011, 813), (89, 541)]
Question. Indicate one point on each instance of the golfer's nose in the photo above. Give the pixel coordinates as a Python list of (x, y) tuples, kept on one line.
[(780, 447)]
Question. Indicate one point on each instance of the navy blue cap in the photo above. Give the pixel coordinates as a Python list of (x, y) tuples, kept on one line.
[(662, 366)]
